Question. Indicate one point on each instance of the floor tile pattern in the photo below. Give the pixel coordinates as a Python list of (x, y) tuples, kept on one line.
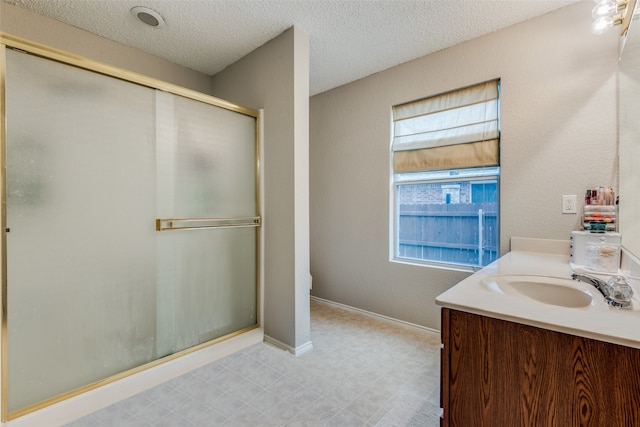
[(362, 371)]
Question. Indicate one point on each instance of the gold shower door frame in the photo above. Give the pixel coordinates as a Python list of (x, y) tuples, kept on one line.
[(161, 224)]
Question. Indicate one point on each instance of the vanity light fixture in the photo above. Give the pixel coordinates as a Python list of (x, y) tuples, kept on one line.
[(608, 13), (148, 16)]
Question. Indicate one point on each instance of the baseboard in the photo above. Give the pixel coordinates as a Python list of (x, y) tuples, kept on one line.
[(376, 315), (297, 351)]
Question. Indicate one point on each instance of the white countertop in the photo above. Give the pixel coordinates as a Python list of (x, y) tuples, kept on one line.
[(598, 321)]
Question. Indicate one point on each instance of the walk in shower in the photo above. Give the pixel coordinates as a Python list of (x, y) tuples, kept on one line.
[(130, 223)]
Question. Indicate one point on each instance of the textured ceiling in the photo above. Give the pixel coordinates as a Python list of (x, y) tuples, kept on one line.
[(349, 39)]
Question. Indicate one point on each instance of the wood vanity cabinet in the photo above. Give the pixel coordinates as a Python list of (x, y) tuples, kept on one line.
[(505, 374)]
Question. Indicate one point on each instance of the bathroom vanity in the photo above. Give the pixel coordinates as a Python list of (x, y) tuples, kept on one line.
[(512, 356)]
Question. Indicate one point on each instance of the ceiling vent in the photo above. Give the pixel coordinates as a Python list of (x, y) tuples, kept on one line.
[(148, 16)]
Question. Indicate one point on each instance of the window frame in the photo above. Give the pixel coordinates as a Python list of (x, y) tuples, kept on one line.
[(471, 175)]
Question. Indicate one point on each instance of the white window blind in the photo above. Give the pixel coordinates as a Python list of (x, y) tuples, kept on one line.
[(453, 130)]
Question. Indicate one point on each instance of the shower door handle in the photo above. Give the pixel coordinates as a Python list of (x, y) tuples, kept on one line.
[(172, 224)]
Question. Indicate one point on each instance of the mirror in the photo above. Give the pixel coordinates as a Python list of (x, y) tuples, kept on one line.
[(629, 139)]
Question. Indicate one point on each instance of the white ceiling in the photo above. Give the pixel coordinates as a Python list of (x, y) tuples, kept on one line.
[(349, 39)]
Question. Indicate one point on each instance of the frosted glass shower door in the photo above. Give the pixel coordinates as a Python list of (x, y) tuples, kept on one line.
[(206, 171), (81, 246), (132, 226)]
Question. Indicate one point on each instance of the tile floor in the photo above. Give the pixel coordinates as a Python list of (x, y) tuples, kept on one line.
[(362, 371)]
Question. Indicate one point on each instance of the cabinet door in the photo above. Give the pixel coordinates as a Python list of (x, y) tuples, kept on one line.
[(444, 366), (505, 373)]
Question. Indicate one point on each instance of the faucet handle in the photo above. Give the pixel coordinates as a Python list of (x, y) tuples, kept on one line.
[(620, 292)]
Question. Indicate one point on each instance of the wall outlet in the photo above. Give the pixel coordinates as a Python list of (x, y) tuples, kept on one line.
[(569, 204)]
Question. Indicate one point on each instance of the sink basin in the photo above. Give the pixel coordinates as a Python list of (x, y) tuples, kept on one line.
[(545, 289)]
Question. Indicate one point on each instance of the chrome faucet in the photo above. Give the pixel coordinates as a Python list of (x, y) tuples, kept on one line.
[(599, 284), (617, 292), (620, 292)]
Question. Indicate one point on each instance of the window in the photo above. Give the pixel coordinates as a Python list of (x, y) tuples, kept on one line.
[(446, 175)]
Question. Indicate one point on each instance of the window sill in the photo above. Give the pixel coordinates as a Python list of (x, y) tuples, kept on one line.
[(440, 266)]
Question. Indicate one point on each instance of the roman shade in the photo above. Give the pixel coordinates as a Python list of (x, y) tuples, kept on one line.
[(453, 130)]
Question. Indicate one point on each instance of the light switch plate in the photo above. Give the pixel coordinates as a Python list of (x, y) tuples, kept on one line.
[(569, 204)]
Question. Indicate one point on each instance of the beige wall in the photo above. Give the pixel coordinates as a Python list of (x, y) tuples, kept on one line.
[(558, 137), (275, 77)]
